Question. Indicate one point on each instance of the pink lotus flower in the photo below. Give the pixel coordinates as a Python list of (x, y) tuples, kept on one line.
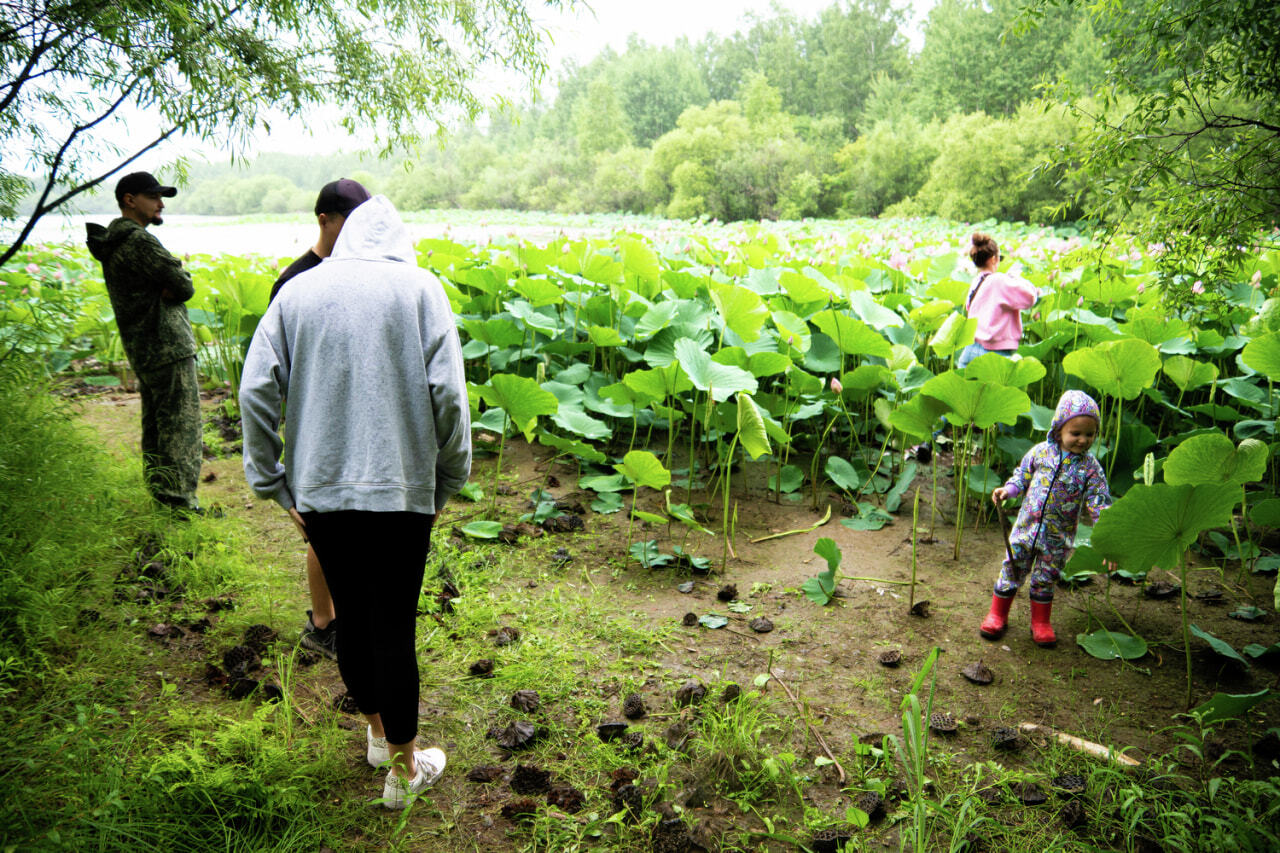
[(1142, 288), (1198, 287), (1080, 302), (33, 269), (836, 387), (1257, 278)]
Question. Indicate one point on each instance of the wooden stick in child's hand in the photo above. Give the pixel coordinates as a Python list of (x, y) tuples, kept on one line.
[(1004, 529)]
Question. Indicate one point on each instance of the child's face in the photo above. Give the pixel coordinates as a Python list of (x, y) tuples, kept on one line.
[(1077, 434)]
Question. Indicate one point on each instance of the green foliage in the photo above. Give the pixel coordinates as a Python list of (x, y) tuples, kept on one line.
[(1154, 525), (81, 74)]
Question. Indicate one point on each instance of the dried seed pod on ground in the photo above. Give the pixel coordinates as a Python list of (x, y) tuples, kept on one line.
[(691, 693), (526, 700), (979, 673), (633, 707), (890, 657), (529, 779), (943, 723), (761, 625)]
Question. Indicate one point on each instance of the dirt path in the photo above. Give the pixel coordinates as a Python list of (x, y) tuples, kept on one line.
[(826, 655)]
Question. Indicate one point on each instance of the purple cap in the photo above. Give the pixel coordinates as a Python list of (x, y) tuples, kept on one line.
[(137, 183), (341, 196)]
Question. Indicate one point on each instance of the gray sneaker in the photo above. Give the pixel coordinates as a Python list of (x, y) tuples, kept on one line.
[(323, 640), (429, 764)]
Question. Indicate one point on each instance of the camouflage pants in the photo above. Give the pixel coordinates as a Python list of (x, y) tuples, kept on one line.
[(172, 440)]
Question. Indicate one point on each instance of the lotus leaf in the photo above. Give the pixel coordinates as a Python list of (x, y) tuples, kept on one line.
[(1229, 706), (643, 469), (722, 380), (482, 529), (1120, 368), (751, 431), (955, 333), (1018, 373), (843, 474), (743, 311), (1110, 645), (851, 335), (1153, 525), (1187, 373), (970, 401), (1220, 646), (521, 398), (1263, 355), (1212, 458), (792, 479)]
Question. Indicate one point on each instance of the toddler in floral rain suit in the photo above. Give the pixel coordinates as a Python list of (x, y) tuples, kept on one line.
[(1061, 481)]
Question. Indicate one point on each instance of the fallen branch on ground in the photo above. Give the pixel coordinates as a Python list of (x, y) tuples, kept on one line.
[(1088, 747), (800, 709)]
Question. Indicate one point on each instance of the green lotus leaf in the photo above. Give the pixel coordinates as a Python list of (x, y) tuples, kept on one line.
[(1110, 645), (1153, 525), (607, 503), (580, 423), (851, 335), (983, 480), (1120, 368), (643, 468), (871, 312), (571, 446), (1220, 646), (894, 498), (792, 479), (751, 431), (539, 291), (604, 336), (802, 289), (1212, 458), (762, 364), (792, 330), (496, 331), (603, 482), (639, 259), (521, 398), (1266, 513), (843, 474), (533, 318), (955, 333), (863, 379), (827, 549), (1229, 706), (970, 401), (721, 379), (482, 529), (743, 310), (1187, 373), (1017, 373), (918, 417), (654, 320), (1263, 355), (713, 621)]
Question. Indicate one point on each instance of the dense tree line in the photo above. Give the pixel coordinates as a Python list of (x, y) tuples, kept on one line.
[(786, 118)]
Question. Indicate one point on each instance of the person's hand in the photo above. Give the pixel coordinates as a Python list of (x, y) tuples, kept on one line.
[(296, 517), (999, 496)]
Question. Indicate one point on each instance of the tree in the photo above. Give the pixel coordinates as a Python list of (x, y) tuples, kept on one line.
[(1184, 149), (78, 74)]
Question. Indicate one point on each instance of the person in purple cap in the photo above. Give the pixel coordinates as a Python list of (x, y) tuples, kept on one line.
[(149, 289), (1062, 482), (334, 204)]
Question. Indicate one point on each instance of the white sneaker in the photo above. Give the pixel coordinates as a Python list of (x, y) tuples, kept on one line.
[(377, 754), (429, 764)]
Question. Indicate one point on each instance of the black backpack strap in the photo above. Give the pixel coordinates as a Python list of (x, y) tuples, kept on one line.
[(974, 292)]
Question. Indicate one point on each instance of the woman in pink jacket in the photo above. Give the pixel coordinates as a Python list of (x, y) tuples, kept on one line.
[(996, 301)]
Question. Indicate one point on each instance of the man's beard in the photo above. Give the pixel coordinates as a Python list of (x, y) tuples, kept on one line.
[(157, 220)]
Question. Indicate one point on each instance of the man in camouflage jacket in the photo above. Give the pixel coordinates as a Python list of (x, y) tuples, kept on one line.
[(148, 289)]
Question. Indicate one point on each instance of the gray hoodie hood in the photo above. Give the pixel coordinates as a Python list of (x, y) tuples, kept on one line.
[(374, 232)]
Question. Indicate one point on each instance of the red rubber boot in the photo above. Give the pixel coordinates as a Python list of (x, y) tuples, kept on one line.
[(1041, 631), (997, 618)]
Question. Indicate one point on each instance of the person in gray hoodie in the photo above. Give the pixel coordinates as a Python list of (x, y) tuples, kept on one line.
[(377, 439)]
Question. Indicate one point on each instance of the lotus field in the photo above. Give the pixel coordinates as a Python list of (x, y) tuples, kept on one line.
[(660, 359)]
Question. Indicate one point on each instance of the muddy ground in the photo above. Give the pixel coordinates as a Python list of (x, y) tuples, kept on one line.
[(828, 656)]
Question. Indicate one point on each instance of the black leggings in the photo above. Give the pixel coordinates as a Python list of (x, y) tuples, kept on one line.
[(373, 563)]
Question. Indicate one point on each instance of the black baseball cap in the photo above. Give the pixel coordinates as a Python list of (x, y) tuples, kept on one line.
[(341, 196), (136, 183)]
